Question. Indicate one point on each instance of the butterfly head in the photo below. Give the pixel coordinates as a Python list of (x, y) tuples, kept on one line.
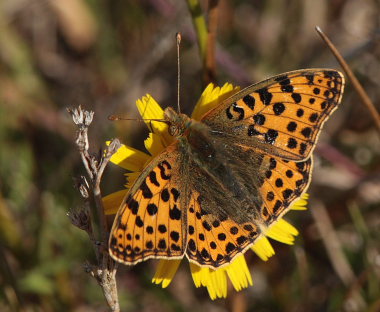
[(178, 123)]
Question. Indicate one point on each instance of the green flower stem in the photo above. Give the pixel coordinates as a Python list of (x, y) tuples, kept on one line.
[(200, 27)]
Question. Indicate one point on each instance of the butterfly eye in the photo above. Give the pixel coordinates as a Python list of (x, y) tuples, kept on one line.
[(174, 130)]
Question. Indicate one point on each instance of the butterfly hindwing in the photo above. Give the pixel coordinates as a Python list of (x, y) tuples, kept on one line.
[(149, 221), (215, 240), (219, 223), (283, 182), (282, 115)]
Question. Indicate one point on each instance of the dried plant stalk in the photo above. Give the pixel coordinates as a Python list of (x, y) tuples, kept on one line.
[(105, 270)]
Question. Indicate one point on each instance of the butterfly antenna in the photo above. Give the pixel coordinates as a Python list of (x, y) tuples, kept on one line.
[(178, 39)]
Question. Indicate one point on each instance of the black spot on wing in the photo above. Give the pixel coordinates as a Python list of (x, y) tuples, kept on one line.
[(259, 119), (278, 108), (165, 195), (249, 101), (300, 112), (175, 193), (292, 143), (292, 126), (287, 88), (265, 96), (139, 222), (162, 228), (152, 209), (146, 192), (228, 113), (297, 97), (252, 131), (310, 79), (153, 178), (271, 136), (132, 204), (277, 206), (240, 111), (306, 132), (165, 168), (175, 213), (331, 74)]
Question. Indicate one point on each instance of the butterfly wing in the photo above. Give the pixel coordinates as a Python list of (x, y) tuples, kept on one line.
[(214, 241), (283, 115), (149, 223), (282, 183)]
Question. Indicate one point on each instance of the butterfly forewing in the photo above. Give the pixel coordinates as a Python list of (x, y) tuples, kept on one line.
[(282, 115), (149, 223)]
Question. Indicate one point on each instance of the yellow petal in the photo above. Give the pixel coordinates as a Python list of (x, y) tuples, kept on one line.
[(263, 248), (211, 97), (149, 109), (283, 232), (165, 272), (131, 178), (227, 90), (214, 280), (205, 98), (217, 286), (130, 158), (301, 203), (199, 274), (154, 144), (111, 202), (239, 274)]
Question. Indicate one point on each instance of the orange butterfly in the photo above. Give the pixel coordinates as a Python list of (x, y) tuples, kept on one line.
[(224, 180)]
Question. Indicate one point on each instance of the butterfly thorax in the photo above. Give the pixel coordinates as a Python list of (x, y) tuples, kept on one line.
[(192, 135)]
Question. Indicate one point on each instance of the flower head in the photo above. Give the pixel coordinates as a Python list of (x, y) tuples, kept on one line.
[(134, 161)]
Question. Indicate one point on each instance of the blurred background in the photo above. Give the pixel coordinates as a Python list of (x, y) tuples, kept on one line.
[(104, 55)]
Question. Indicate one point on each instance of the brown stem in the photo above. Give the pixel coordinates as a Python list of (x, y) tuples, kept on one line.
[(355, 82), (108, 282), (105, 270)]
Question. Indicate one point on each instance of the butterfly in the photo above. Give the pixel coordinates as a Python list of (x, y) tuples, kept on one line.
[(226, 178)]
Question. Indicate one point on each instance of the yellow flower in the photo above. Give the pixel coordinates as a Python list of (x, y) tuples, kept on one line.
[(134, 160)]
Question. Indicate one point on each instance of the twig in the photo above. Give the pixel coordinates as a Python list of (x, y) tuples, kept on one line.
[(105, 270), (355, 82)]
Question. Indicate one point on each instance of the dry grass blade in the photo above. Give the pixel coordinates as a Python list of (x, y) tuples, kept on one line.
[(336, 255)]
